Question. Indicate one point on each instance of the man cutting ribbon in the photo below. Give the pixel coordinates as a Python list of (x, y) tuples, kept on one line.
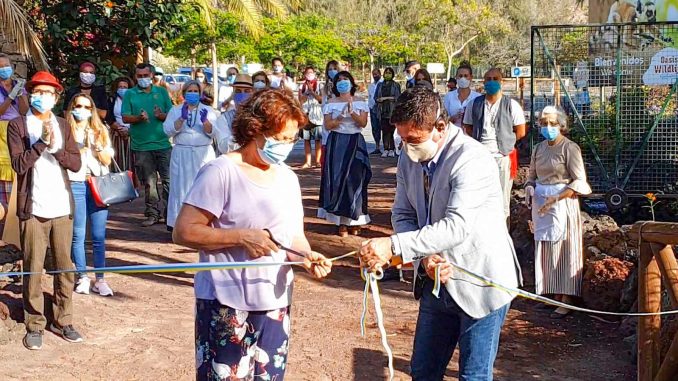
[(448, 208)]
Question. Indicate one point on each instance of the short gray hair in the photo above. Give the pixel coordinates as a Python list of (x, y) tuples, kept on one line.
[(188, 84), (561, 117)]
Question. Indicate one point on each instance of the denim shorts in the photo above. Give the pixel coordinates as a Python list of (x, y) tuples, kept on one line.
[(312, 132)]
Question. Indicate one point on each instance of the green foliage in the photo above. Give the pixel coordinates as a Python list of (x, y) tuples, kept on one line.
[(196, 36), (109, 33)]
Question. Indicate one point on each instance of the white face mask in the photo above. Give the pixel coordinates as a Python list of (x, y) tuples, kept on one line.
[(463, 83), (421, 152), (87, 78)]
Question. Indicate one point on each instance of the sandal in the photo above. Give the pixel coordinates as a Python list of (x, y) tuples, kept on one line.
[(559, 314), (343, 231)]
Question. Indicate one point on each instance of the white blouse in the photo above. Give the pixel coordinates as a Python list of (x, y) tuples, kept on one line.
[(347, 125)]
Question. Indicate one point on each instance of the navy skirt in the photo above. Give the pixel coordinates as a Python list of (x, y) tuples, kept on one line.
[(345, 175)]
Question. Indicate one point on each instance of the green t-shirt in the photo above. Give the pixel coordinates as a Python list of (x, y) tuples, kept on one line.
[(147, 136)]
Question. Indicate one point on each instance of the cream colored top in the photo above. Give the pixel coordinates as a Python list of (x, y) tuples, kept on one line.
[(560, 163)]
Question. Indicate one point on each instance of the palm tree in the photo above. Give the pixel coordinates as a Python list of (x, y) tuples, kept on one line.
[(250, 12), (14, 26)]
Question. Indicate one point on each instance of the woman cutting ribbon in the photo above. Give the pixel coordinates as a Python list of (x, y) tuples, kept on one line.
[(557, 177), (241, 206)]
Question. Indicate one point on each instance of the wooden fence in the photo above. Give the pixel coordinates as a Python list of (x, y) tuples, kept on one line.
[(657, 263)]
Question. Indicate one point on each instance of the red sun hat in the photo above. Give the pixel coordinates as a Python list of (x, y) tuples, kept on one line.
[(44, 78)]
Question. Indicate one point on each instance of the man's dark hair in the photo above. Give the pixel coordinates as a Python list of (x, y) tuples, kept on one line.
[(145, 65), (277, 59), (419, 105), (452, 80)]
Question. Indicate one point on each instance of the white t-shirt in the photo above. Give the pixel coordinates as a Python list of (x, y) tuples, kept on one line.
[(454, 105), (489, 135), (49, 195), (278, 82)]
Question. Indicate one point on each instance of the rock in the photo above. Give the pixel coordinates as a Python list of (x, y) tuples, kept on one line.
[(629, 294), (523, 239), (603, 283), (4, 311)]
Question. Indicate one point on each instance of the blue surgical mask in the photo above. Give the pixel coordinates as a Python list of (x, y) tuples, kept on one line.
[(277, 69), (239, 98), (550, 132), (81, 114), (332, 73), (144, 82), (230, 79), (6, 72), (492, 87), (121, 92), (42, 103), (344, 86), (192, 98), (275, 152)]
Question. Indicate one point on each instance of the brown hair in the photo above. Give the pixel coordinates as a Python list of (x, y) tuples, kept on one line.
[(262, 74), (100, 131), (265, 112)]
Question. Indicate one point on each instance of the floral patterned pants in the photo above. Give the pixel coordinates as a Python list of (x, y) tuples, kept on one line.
[(239, 345)]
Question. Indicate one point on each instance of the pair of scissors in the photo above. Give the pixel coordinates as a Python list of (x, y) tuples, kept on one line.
[(280, 246)]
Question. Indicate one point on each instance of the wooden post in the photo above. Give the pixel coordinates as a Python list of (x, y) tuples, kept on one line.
[(521, 86), (668, 266), (649, 300)]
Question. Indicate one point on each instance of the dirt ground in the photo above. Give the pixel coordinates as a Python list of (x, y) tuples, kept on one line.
[(146, 331)]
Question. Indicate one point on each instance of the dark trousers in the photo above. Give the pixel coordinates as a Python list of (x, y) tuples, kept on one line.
[(149, 165), (387, 130), (376, 126), (36, 235)]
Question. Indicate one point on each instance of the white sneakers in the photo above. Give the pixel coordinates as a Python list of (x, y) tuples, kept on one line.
[(100, 287), (82, 286), (384, 154), (387, 153)]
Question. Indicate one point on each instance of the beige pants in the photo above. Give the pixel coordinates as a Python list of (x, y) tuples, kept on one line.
[(504, 164), (36, 235)]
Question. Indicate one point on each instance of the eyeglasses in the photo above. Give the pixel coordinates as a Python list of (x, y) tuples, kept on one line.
[(82, 106), (43, 92), (287, 141)]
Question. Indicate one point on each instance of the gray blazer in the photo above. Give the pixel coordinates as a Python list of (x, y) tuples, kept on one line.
[(467, 226)]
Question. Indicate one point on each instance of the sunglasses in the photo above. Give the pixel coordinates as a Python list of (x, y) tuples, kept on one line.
[(82, 106)]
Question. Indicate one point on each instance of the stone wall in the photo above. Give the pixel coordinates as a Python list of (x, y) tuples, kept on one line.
[(20, 62)]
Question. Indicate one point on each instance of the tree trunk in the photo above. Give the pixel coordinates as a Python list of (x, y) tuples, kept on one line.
[(215, 78), (371, 62), (449, 65)]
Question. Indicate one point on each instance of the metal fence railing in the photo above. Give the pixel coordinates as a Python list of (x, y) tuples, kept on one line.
[(617, 83)]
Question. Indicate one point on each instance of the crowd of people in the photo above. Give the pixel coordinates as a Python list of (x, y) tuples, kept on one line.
[(216, 176)]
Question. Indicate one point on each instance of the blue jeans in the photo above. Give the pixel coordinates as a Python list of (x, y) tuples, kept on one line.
[(86, 208), (440, 326), (376, 125)]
